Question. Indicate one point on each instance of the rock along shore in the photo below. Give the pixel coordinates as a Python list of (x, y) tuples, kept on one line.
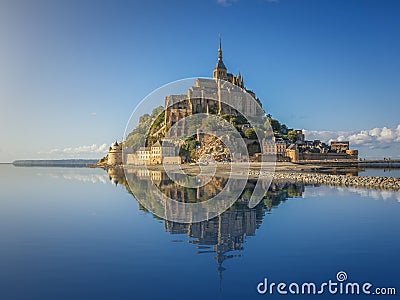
[(384, 183)]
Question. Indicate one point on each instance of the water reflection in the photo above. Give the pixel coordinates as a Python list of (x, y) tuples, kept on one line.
[(384, 172), (225, 235), (93, 233), (117, 176), (341, 191), (71, 174)]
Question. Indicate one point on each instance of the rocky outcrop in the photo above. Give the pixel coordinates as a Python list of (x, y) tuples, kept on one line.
[(213, 147), (385, 183), (102, 162)]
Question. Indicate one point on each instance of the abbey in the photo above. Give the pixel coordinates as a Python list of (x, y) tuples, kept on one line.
[(224, 95), (213, 96)]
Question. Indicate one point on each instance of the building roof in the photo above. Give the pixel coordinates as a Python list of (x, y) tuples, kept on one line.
[(157, 144), (144, 149), (220, 64)]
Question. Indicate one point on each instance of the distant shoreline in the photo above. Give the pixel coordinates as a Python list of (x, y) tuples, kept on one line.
[(70, 163), (304, 166)]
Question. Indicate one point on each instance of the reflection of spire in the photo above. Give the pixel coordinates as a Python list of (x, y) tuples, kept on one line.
[(220, 258), (220, 270)]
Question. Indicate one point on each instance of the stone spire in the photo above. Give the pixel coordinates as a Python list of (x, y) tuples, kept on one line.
[(220, 49), (220, 69)]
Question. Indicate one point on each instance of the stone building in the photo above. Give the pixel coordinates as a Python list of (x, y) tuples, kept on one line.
[(114, 156), (274, 148), (154, 155), (212, 96), (337, 146), (299, 136), (353, 154), (293, 153), (143, 154)]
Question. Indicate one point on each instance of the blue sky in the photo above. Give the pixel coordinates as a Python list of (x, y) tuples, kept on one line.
[(71, 72)]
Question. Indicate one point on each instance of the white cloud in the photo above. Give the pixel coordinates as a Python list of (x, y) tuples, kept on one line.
[(374, 138), (80, 150), (386, 134), (323, 191), (360, 138), (398, 133), (372, 143)]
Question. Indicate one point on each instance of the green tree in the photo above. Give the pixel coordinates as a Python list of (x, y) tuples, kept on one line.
[(189, 146), (254, 148), (284, 129), (157, 111), (226, 117), (238, 120), (276, 126), (146, 118), (159, 119), (292, 136), (250, 134), (135, 140)]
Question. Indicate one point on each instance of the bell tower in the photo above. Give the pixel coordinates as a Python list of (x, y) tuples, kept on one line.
[(220, 69)]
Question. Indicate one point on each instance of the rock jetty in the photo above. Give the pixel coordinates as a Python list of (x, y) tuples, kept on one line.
[(384, 183)]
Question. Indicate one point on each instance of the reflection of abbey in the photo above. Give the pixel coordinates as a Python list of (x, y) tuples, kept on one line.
[(224, 236)]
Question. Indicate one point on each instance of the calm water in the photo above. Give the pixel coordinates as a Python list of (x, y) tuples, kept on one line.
[(381, 172), (73, 234)]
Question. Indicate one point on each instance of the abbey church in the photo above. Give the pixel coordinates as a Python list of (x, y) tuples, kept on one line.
[(220, 71), (213, 96)]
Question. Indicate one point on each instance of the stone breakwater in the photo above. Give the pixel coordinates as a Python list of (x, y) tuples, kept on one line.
[(384, 183)]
